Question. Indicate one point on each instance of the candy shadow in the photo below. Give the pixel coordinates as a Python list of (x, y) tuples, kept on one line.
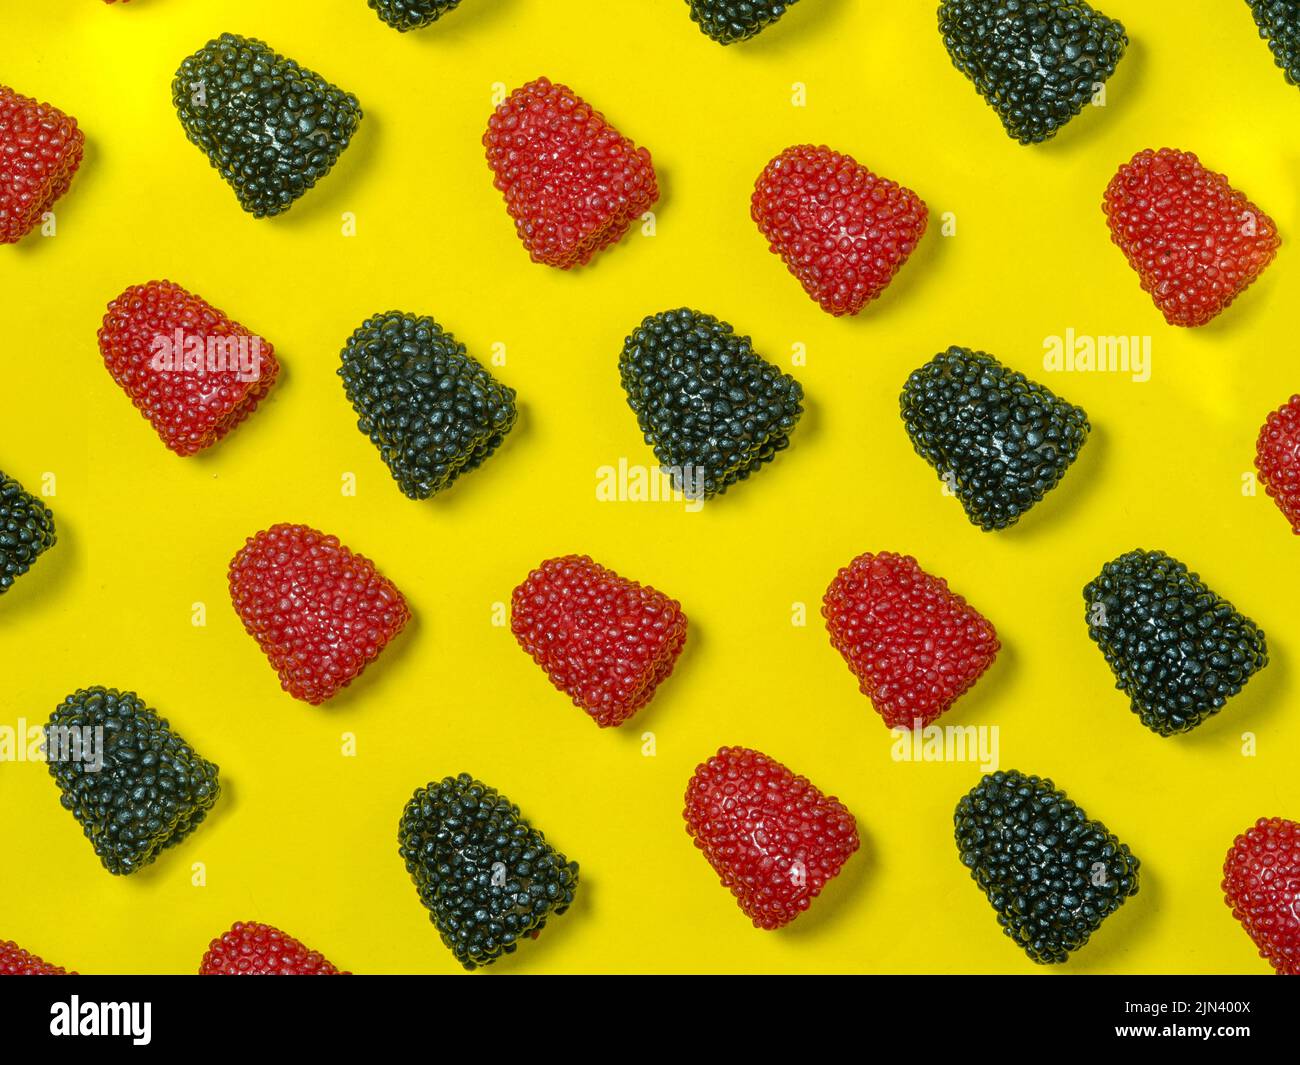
[(472, 17), (1082, 480), (66, 206), (47, 577), (334, 192), (1079, 133), (801, 26), (1118, 934), (666, 695), (1258, 702), (467, 484), (914, 272), (249, 433), (838, 898), (578, 910), (376, 674)]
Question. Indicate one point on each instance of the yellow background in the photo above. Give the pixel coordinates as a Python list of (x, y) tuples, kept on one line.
[(303, 837)]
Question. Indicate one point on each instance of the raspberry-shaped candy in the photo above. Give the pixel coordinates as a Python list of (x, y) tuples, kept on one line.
[(40, 150), (998, 441), (270, 127), (26, 531), (132, 783), (433, 410), (1195, 241), (773, 838), (1277, 458), (14, 961), (728, 21), (1051, 874), (713, 409), (1261, 882), (605, 641), (320, 613), (840, 229), (405, 15), (488, 878), (193, 372), (572, 183), (1178, 649), (252, 949), (1037, 63), (914, 645)]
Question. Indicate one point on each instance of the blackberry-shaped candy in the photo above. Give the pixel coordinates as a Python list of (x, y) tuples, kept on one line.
[(26, 531), (1261, 882), (40, 150), (914, 645), (1278, 22), (713, 410), (1195, 242), (572, 183), (432, 409), (843, 231), (772, 837), (486, 876), (729, 21), (605, 641), (1277, 458), (1051, 874), (270, 127), (252, 949), (406, 15), (191, 371), (1038, 63), (1177, 649), (998, 440), (134, 785), (14, 961), (320, 613)]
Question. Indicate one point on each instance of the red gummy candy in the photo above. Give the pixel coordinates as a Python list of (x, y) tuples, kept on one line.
[(914, 645), (572, 183), (605, 641), (1195, 241), (320, 613), (840, 229), (252, 949), (40, 150), (1277, 458), (1261, 882), (771, 836), (190, 370), (14, 961)]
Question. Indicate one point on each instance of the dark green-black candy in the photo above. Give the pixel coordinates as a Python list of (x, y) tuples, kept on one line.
[(406, 15), (728, 21), (132, 783), (1177, 649), (998, 440), (1052, 875), (713, 410), (270, 127), (1037, 63), (1278, 22), (486, 876), (26, 531), (432, 409)]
